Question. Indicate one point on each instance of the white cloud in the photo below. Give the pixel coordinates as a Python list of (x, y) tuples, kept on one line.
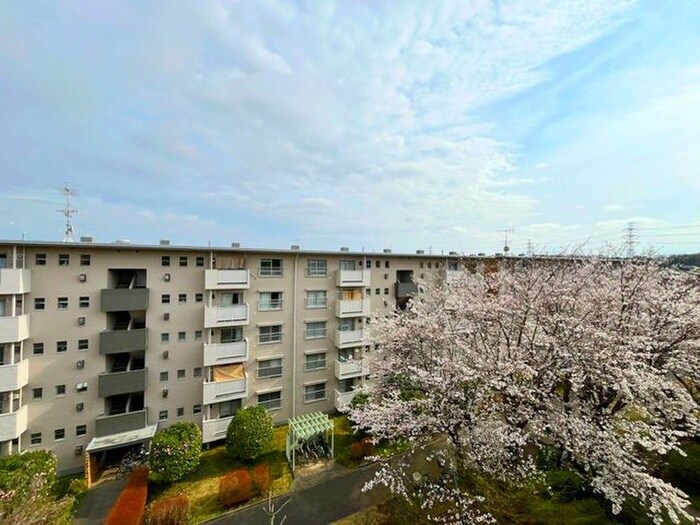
[(613, 207)]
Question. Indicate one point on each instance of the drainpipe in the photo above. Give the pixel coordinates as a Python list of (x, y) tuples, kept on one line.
[(294, 338)]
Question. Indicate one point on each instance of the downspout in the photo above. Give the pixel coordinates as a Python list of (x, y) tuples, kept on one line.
[(294, 338)]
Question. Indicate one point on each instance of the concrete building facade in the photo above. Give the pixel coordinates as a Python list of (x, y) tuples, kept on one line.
[(101, 344)]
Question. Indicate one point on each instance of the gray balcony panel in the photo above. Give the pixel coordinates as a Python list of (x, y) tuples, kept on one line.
[(121, 383), (123, 299), (406, 289), (115, 341), (107, 425)]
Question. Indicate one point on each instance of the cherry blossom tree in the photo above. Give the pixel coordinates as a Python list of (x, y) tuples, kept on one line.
[(597, 359)]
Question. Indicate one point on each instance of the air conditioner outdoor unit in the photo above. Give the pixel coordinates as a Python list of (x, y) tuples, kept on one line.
[(81, 320), (166, 316), (78, 450), (79, 406), (164, 392), (166, 277), (166, 354), (82, 277), (80, 363)]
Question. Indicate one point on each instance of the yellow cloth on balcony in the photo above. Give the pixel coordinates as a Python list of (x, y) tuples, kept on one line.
[(228, 372)]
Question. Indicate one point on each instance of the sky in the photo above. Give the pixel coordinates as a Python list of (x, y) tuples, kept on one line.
[(395, 124)]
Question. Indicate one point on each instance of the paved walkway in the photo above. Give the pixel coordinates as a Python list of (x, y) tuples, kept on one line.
[(94, 508)]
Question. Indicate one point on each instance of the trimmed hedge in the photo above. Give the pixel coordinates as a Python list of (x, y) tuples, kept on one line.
[(169, 511), (356, 450), (235, 487), (175, 451), (130, 507), (261, 478)]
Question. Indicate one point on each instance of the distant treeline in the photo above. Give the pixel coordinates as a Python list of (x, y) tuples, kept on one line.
[(692, 259)]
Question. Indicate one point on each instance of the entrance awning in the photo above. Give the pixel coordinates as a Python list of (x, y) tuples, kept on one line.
[(122, 439)]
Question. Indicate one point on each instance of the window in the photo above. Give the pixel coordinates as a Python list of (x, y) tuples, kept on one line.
[(270, 301), (452, 266), (83, 344), (180, 411), (430, 264), (63, 259), (37, 393), (181, 373), (165, 260), (271, 267), (368, 264), (378, 264), (163, 414), (81, 430), (197, 372), (40, 259), (315, 330), (165, 337), (377, 291), (60, 390), (182, 298), (61, 346), (199, 261), (59, 433), (198, 297), (183, 260), (269, 368), (386, 291), (315, 392), (163, 376), (38, 348), (196, 409), (386, 264), (229, 408), (182, 337), (81, 387), (315, 361), (35, 439), (232, 335), (62, 303), (316, 268), (369, 291), (197, 335), (270, 334), (85, 259), (84, 301), (317, 299), (270, 400), (165, 298), (39, 303), (420, 264)]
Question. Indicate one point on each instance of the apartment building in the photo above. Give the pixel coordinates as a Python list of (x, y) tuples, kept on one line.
[(102, 344)]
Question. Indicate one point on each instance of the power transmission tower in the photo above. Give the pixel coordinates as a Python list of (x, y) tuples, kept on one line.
[(68, 213), (630, 239), (530, 250), (506, 247)]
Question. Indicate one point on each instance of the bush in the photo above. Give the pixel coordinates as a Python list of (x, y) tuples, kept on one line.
[(235, 487), (685, 471), (18, 471), (566, 485), (249, 433), (169, 511), (356, 450), (175, 451), (130, 507), (261, 478)]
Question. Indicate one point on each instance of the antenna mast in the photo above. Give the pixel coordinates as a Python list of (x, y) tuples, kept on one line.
[(68, 212)]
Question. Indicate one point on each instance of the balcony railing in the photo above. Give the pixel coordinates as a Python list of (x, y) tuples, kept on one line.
[(225, 353), (350, 338), (356, 308), (343, 399), (117, 423), (351, 368), (352, 278), (14, 377), (13, 424), (115, 383), (118, 341), (226, 279), (14, 281), (216, 392), (224, 316), (14, 328), (215, 429), (123, 299)]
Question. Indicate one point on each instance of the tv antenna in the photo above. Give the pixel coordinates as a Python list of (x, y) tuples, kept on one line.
[(68, 212)]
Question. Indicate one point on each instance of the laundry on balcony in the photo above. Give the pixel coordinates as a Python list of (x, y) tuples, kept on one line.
[(228, 373)]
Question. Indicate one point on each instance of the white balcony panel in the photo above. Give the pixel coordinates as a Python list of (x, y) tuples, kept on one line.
[(351, 368), (225, 353), (358, 308), (342, 400), (215, 429), (14, 281), (13, 424), (14, 328), (352, 278), (14, 377), (226, 279), (349, 338), (224, 316), (225, 390)]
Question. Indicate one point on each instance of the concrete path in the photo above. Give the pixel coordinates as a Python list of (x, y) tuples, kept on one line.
[(95, 506)]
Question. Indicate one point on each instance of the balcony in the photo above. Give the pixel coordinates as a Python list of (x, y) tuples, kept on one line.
[(342, 400), (226, 279), (349, 339), (14, 377), (352, 278), (216, 392), (123, 299), (108, 425), (358, 308), (13, 424), (225, 353), (351, 368), (14, 328), (113, 384), (117, 341), (215, 429), (404, 290), (14, 281), (224, 316)]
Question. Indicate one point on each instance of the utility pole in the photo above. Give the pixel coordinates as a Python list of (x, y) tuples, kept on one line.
[(68, 213)]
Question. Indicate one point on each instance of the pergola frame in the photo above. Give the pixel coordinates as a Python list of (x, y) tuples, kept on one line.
[(304, 427)]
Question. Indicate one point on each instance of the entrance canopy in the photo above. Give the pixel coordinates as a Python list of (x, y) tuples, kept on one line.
[(121, 439)]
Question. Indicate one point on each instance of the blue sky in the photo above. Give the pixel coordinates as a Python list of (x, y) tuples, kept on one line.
[(364, 124)]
